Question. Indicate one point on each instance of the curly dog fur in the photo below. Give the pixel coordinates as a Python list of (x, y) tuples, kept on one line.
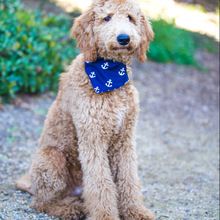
[(88, 139)]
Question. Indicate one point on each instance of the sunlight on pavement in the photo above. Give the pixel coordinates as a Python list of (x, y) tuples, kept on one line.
[(187, 17)]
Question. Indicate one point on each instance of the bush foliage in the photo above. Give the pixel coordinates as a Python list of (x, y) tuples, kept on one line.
[(33, 49), (171, 44)]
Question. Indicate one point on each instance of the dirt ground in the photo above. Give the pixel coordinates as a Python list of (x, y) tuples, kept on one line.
[(177, 142)]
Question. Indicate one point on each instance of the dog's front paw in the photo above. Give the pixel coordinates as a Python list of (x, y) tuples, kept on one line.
[(103, 216), (138, 213)]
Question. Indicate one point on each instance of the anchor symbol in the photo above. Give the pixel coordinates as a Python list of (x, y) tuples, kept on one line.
[(92, 75), (122, 72), (105, 66), (109, 83), (97, 90)]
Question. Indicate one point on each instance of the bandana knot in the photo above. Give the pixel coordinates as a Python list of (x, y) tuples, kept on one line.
[(106, 75)]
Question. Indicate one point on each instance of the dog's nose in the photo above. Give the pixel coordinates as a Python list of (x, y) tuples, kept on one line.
[(123, 39)]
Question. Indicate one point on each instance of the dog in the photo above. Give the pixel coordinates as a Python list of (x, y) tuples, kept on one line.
[(86, 164)]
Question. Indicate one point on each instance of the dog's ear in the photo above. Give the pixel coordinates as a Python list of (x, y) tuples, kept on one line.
[(147, 36), (82, 31)]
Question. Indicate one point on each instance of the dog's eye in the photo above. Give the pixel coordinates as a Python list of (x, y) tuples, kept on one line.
[(131, 19), (108, 18)]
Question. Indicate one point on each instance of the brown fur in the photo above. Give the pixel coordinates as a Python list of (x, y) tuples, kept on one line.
[(83, 32), (147, 36), (88, 139)]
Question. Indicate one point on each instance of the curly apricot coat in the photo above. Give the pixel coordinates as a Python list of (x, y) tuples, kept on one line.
[(87, 143)]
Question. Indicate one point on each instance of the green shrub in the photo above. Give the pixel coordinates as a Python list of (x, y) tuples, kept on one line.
[(33, 49), (172, 44)]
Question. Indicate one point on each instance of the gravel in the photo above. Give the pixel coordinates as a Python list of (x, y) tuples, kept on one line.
[(177, 142)]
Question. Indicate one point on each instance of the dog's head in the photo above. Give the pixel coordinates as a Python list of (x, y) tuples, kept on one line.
[(113, 29)]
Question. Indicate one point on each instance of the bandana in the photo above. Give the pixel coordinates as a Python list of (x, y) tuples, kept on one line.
[(106, 75)]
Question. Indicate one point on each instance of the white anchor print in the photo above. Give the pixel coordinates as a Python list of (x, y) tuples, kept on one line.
[(92, 75), (97, 90), (109, 83), (105, 66), (122, 72)]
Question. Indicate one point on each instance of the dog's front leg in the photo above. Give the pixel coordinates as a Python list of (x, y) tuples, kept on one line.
[(99, 190), (131, 203)]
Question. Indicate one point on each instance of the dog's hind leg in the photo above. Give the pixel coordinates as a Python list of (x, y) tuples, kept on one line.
[(51, 184), (55, 169), (49, 175), (68, 208)]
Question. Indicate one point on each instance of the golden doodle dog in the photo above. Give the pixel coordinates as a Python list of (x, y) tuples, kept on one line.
[(86, 165)]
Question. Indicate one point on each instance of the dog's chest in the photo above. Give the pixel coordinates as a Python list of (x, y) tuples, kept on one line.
[(112, 113), (120, 116), (106, 112)]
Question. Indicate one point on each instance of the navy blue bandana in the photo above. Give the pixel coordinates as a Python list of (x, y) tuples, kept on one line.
[(106, 75)]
